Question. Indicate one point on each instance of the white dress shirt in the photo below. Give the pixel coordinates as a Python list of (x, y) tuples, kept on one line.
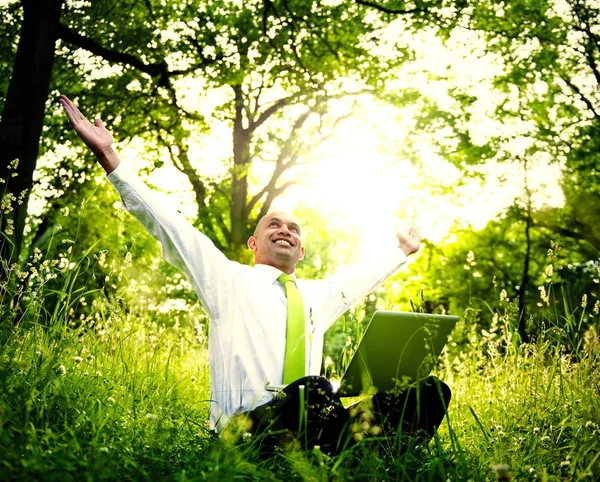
[(247, 305)]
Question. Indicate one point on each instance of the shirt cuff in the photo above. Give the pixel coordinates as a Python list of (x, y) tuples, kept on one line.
[(396, 257), (121, 171)]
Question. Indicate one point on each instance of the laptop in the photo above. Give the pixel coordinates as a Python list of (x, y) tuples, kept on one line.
[(396, 351)]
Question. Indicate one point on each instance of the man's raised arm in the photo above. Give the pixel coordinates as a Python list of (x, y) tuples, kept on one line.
[(206, 268), (350, 283), (95, 135)]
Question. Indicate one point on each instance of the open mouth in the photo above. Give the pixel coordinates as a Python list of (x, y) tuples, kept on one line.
[(282, 242)]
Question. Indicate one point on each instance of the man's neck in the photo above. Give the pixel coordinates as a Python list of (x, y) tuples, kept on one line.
[(280, 268)]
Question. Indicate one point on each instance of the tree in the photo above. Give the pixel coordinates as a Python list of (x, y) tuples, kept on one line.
[(280, 64), (22, 118), (280, 61), (546, 112)]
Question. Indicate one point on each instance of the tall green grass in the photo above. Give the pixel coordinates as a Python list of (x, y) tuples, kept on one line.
[(114, 396)]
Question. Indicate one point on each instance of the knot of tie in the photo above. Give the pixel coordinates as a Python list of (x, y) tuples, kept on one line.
[(285, 278)]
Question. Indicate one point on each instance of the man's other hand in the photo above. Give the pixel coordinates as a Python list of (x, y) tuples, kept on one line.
[(409, 240)]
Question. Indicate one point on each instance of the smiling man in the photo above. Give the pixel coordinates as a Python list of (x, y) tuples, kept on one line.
[(267, 326), (277, 241)]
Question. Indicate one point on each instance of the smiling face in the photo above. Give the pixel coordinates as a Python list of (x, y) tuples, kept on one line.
[(277, 241)]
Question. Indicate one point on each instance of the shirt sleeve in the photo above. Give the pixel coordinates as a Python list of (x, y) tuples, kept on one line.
[(350, 283), (183, 246)]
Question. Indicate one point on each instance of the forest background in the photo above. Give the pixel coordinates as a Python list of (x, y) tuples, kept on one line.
[(479, 121)]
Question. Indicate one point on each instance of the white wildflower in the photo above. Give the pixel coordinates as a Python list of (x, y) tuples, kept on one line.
[(9, 229), (543, 295), (471, 258), (6, 203)]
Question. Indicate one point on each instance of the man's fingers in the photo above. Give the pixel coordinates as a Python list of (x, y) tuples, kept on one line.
[(66, 107), (413, 232), (73, 113), (98, 122)]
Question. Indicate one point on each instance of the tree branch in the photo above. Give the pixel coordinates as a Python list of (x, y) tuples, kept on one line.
[(382, 8), (284, 153), (262, 118), (591, 43), (589, 104), (183, 165), (157, 69), (318, 35), (153, 70), (272, 194), (269, 6)]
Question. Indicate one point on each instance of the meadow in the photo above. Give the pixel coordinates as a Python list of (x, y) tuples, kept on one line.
[(115, 395)]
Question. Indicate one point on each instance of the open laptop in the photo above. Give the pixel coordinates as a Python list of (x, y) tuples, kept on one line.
[(396, 350)]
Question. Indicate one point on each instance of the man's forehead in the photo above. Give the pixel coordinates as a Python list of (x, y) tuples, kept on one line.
[(281, 216)]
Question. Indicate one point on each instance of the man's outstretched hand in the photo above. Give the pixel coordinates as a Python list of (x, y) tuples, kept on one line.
[(409, 240), (95, 136)]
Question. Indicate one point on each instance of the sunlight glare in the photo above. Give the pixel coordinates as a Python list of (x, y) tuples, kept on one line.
[(358, 186)]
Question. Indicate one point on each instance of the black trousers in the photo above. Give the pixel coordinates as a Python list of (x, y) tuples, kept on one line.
[(307, 413)]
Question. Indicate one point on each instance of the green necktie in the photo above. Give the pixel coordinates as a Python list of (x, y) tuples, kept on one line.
[(295, 339)]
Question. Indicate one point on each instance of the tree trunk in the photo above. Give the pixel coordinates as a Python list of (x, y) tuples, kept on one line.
[(23, 116), (239, 179)]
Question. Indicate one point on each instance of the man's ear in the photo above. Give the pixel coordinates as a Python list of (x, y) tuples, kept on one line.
[(301, 257), (252, 243)]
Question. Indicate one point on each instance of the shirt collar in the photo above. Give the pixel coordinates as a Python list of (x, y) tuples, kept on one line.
[(269, 273)]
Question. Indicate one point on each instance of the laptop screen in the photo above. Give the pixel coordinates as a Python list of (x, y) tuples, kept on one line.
[(396, 350)]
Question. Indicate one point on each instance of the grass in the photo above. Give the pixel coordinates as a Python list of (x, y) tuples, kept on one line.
[(121, 398)]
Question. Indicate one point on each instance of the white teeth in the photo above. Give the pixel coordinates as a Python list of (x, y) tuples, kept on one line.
[(282, 242)]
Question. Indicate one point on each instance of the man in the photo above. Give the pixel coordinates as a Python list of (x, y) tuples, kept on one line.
[(266, 326)]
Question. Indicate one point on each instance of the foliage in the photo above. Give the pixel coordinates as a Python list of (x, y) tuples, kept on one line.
[(8, 33), (103, 364), (127, 398), (278, 67), (482, 271)]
